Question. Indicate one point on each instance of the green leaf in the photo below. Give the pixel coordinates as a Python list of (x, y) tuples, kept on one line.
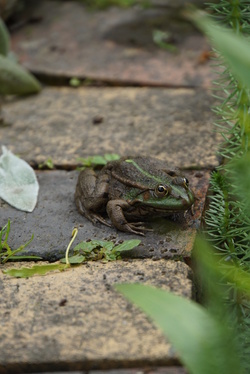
[(15, 80), (126, 245), (212, 270), (234, 48), (48, 164), (111, 157), (205, 345), (75, 82), (5, 233), (24, 258), (34, 270), (103, 244), (4, 39), (76, 259), (160, 38)]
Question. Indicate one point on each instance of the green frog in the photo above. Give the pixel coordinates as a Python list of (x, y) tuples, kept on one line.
[(132, 190)]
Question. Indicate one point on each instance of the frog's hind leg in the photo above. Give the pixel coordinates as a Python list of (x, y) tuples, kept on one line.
[(115, 213), (91, 195)]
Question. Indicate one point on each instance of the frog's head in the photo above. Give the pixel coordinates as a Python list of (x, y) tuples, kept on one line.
[(170, 195), (163, 190)]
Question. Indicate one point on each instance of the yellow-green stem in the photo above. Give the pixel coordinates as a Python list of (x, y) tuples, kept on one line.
[(74, 233)]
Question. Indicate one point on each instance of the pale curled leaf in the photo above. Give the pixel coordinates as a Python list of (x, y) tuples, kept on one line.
[(18, 183)]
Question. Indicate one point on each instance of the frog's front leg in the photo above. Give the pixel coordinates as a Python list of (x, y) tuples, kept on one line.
[(115, 212), (91, 195)]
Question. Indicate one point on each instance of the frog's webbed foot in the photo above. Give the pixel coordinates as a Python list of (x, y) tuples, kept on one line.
[(95, 218), (140, 226), (137, 228), (90, 215), (115, 213)]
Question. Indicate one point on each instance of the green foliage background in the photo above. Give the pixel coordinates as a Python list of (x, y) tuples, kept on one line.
[(228, 216), (221, 344)]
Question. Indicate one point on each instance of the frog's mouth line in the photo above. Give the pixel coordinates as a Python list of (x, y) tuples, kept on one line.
[(147, 193), (151, 209)]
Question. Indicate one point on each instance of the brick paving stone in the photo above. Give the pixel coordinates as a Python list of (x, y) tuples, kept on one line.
[(175, 125), (94, 327), (112, 46)]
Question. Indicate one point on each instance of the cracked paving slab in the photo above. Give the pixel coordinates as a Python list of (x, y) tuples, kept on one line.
[(56, 215), (75, 320)]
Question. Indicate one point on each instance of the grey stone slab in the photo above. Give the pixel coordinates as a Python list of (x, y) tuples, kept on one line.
[(55, 216), (114, 45), (94, 327), (60, 123)]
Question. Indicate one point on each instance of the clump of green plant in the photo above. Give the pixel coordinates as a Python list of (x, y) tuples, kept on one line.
[(227, 219), (160, 38), (47, 164), (228, 216), (215, 338), (6, 253), (94, 161), (96, 250)]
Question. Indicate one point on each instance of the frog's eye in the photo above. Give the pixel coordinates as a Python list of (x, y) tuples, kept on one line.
[(161, 190), (185, 181)]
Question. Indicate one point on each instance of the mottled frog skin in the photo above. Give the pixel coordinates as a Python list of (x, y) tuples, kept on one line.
[(132, 189)]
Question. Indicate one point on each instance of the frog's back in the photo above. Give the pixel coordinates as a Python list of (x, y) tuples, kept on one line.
[(146, 170)]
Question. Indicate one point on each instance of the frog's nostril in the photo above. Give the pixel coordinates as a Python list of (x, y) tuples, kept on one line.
[(187, 202)]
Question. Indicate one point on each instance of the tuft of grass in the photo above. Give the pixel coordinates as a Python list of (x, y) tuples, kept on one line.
[(6, 253)]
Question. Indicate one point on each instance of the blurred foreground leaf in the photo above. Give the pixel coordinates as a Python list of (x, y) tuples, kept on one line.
[(4, 39), (205, 345), (234, 48), (15, 80)]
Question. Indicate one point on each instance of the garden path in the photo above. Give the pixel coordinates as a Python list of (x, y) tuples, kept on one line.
[(147, 101)]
